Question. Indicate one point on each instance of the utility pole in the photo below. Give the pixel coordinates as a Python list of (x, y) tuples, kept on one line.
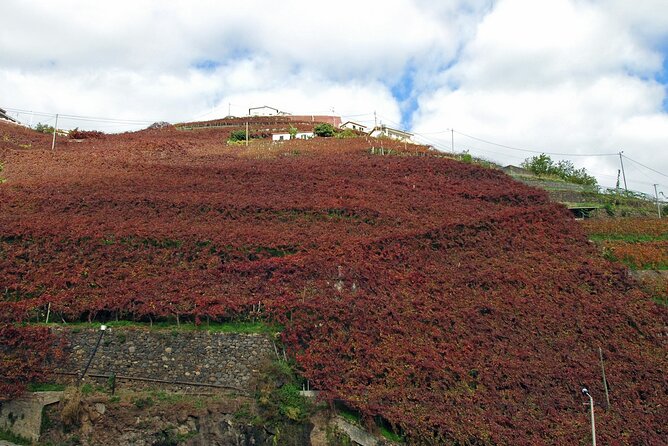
[(658, 207), (375, 120), (55, 129), (229, 109), (621, 161), (452, 133)]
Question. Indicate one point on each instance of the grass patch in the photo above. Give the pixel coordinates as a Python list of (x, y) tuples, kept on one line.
[(349, 415), (392, 436), (45, 387), (167, 397), (257, 327), (661, 301), (629, 238), (13, 438)]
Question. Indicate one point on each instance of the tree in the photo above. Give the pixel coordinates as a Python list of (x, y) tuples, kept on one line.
[(565, 169), (324, 130)]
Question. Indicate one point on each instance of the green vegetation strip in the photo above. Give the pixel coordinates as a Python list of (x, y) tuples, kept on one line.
[(629, 238), (258, 327), (45, 387)]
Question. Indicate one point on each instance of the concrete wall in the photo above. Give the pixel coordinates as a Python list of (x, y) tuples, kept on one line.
[(221, 359), (23, 416)]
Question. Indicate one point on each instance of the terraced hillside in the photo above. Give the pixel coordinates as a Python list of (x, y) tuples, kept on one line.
[(457, 305)]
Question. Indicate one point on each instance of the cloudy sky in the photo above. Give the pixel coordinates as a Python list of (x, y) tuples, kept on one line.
[(572, 77)]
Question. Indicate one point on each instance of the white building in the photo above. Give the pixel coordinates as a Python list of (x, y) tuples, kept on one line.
[(280, 136), (388, 132), (355, 126), (286, 136), (265, 110)]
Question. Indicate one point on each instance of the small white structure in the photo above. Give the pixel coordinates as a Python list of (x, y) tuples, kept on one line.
[(265, 110), (280, 136), (355, 126), (388, 132), (286, 136)]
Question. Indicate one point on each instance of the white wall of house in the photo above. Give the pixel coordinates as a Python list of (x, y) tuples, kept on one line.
[(286, 136), (391, 133), (280, 137), (354, 126)]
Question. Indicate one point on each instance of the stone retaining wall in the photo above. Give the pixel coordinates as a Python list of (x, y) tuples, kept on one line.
[(221, 359)]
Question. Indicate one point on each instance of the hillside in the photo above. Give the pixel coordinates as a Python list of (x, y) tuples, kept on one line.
[(586, 200), (456, 304)]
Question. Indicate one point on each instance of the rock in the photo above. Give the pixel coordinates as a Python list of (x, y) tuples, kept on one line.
[(158, 125), (100, 408), (168, 350)]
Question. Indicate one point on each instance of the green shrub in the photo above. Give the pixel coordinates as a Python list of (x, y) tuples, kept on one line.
[(238, 135), (278, 395), (44, 128), (324, 130), (346, 133), (143, 403)]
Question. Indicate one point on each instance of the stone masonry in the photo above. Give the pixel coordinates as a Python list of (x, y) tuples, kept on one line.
[(221, 359)]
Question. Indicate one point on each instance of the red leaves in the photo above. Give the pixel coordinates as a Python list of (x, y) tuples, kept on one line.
[(454, 302), (27, 354)]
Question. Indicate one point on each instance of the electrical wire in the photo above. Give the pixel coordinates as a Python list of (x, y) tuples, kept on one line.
[(646, 167), (80, 117), (534, 151)]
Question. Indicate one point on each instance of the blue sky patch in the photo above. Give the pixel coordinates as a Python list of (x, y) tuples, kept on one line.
[(206, 65), (662, 76), (404, 92)]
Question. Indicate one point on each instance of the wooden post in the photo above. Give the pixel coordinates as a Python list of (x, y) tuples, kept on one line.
[(55, 130), (605, 382)]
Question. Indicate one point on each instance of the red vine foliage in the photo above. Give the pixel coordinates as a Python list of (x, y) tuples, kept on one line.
[(27, 354), (457, 304)]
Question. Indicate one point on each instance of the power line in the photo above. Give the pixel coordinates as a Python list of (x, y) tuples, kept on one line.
[(534, 151), (646, 167), (80, 117)]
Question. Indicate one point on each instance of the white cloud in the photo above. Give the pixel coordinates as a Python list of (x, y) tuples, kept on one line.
[(562, 76)]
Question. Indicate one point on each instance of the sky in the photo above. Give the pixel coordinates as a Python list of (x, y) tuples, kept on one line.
[(503, 79)]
